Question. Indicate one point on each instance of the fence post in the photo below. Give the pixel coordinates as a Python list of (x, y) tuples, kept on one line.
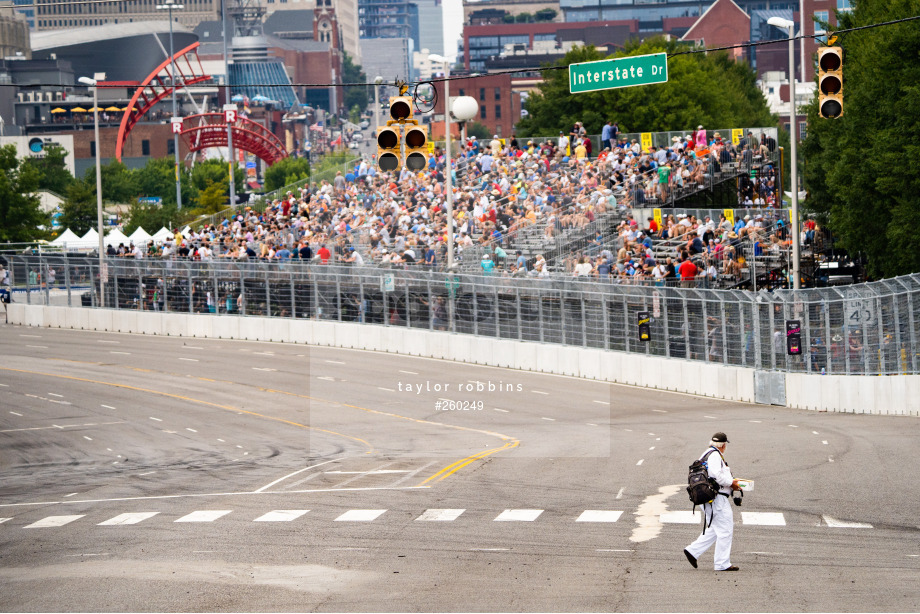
[(912, 337), (705, 330), (475, 309), (827, 336), (67, 282), (723, 320), (293, 297), (540, 312), (46, 277), (116, 303), (191, 290), (268, 295)]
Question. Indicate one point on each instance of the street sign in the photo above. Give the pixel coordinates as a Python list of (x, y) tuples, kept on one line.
[(619, 72), (230, 111), (388, 283), (176, 125)]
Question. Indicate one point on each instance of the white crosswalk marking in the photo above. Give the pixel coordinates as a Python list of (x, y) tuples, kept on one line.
[(53, 521), (680, 517), (203, 516), (132, 518), (843, 524), (281, 516), (599, 516), (764, 518), (360, 515), (441, 515), (2, 520), (518, 515)]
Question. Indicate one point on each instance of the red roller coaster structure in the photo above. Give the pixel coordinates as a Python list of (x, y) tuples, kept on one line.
[(247, 134)]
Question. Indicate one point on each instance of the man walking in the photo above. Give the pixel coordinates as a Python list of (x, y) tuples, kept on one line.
[(720, 523)]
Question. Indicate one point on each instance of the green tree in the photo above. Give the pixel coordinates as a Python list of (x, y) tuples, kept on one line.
[(118, 183), (79, 211), (52, 170), (153, 217), (157, 179), (285, 172), (545, 14), (355, 95), (20, 214), (523, 18), (858, 169), (702, 88), (478, 130), (213, 198)]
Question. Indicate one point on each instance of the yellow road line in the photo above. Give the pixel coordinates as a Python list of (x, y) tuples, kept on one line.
[(440, 475), (192, 400)]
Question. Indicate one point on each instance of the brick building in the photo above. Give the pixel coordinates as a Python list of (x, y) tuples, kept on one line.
[(499, 104)]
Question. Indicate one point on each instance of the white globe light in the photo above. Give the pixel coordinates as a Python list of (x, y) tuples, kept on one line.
[(465, 108)]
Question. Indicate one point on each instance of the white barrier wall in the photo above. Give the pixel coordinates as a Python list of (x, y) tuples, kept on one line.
[(894, 395)]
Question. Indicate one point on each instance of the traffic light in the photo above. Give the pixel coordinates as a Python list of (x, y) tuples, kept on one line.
[(389, 157), (401, 128), (830, 82), (416, 148)]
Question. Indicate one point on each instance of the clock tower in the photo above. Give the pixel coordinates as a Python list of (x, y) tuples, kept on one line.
[(325, 25)]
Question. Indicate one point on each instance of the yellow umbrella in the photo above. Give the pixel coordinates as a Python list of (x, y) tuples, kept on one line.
[(94, 109), (112, 109), (59, 110), (78, 110), (127, 109)]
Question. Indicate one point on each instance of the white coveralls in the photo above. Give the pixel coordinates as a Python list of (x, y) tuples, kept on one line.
[(720, 512)]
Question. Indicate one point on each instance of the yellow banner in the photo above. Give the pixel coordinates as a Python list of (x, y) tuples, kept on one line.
[(729, 215), (431, 147), (737, 134), (657, 215), (646, 141)]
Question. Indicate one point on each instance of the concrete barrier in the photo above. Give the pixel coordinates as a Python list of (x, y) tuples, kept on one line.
[(892, 395)]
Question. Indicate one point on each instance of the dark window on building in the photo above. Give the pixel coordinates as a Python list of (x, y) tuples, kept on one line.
[(482, 93), (461, 92), (171, 147), (498, 93), (92, 149), (498, 111), (145, 147), (482, 111)]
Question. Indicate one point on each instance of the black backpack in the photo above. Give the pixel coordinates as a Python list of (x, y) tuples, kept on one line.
[(701, 488)]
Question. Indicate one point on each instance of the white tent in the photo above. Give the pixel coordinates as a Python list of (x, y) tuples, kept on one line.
[(162, 234), (140, 236), (91, 237), (69, 237), (116, 237)]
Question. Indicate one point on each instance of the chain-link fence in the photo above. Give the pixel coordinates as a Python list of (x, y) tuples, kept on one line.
[(866, 329)]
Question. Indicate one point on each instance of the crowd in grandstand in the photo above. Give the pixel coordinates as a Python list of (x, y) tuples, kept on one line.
[(501, 188)]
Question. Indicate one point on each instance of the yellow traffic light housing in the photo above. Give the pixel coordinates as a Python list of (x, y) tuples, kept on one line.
[(390, 138), (830, 82), (416, 139), (389, 157)]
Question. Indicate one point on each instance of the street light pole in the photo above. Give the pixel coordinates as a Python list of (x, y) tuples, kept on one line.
[(94, 83), (377, 81), (229, 94), (789, 25), (169, 5)]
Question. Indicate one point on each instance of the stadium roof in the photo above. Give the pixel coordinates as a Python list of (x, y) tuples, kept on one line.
[(51, 39)]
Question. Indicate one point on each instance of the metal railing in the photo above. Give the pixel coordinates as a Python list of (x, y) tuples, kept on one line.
[(866, 329)]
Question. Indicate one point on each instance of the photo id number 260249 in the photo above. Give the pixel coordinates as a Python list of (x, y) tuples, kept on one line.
[(441, 405)]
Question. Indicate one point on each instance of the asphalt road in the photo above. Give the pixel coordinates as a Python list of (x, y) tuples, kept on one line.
[(166, 474)]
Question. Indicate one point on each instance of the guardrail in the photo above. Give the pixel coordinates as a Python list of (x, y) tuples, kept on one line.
[(866, 329)]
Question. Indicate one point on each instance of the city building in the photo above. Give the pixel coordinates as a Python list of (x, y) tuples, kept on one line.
[(390, 58), (26, 8), (346, 12), (14, 33), (499, 104), (498, 11), (384, 19), (722, 24), (480, 43), (428, 29), (775, 88), (423, 67), (60, 15)]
